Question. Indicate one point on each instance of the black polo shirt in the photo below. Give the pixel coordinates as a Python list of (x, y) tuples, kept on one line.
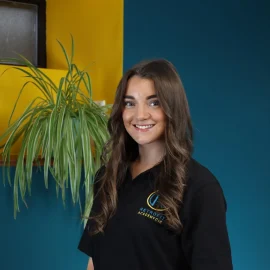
[(137, 237)]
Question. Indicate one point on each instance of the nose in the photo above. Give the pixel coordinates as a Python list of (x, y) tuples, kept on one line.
[(142, 112)]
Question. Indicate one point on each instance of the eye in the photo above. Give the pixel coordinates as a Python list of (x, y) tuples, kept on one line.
[(154, 103), (128, 103)]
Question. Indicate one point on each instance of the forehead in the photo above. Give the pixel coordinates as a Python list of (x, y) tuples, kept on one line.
[(140, 87)]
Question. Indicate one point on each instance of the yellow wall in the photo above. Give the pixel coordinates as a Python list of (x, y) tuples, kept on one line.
[(97, 28), (11, 83)]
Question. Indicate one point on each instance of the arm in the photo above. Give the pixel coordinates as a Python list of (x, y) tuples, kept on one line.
[(86, 241), (205, 238), (90, 265)]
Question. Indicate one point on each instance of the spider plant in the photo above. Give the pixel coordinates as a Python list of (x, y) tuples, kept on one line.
[(63, 130)]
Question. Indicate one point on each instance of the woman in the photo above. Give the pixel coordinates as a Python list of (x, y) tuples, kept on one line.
[(155, 207)]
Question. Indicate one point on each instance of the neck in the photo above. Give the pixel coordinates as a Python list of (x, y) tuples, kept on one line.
[(151, 154)]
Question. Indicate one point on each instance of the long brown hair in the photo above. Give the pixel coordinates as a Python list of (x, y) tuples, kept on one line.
[(121, 149)]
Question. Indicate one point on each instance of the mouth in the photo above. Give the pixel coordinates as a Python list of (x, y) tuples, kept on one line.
[(143, 127)]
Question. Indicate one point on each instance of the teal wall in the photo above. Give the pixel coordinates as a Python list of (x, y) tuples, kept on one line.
[(44, 236), (221, 50)]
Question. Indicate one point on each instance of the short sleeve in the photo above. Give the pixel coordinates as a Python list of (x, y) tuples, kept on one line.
[(86, 243), (205, 239)]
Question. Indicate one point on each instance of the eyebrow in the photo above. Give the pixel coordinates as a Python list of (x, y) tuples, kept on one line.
[(149, 97)]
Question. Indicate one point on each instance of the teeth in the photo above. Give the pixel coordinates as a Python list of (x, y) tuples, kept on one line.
[(144, 127)]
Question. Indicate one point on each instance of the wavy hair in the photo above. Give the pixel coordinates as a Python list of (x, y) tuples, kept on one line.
[(121, 150)]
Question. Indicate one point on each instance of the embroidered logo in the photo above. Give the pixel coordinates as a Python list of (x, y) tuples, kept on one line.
[(153, 203), (155, 210)]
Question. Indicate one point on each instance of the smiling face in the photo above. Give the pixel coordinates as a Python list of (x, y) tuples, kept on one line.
[(143, 117)]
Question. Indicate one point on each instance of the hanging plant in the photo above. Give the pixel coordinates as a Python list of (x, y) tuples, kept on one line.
[(63, 131)]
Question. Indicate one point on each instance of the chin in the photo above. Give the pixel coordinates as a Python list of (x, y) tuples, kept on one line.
[(143, 142)]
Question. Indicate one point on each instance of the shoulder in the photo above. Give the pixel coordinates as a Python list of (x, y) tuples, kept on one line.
[(199, 177), (202, 186), (203, 192)]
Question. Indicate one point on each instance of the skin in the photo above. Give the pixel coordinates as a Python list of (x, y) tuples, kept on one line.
[(145, 122), (90, 265)]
